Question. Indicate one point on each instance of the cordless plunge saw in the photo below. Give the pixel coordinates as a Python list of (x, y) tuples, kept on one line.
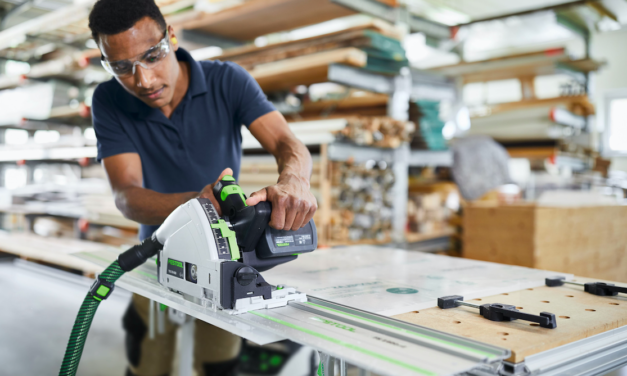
[(218, 260), (212, 260)]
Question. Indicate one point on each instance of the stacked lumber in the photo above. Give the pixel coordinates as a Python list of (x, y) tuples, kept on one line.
[(253, 18), (429, 207), (383, 132), (361, 202), (429, 131), (374, 46), (304, 70)]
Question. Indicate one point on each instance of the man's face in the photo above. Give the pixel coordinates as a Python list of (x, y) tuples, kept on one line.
[(154, 86)]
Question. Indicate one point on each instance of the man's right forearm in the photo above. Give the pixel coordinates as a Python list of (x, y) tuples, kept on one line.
[(147, 206)]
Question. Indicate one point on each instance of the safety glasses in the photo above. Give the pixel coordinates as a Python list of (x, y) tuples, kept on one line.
[(146, 60)]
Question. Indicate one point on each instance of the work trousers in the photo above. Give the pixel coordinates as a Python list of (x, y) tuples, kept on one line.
[(216, 351)]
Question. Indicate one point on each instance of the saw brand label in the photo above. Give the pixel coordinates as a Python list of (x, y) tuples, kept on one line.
[(175, 268), (333, 323), (282, 241)]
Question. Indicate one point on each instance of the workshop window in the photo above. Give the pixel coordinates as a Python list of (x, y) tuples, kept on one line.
[(616, 125)]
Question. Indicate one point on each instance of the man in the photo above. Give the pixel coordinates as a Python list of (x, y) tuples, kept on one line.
[(168, 128)]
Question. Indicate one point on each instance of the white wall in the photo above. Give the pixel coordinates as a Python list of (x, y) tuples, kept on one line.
[(611, 47)]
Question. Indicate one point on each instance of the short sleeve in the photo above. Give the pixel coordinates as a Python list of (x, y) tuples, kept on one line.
[(245, 96), (111, 137)]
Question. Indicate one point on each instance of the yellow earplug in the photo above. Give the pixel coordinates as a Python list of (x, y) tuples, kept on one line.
[(174, 40)]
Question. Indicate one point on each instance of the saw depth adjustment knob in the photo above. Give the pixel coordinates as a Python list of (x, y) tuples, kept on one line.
[(246, 275)]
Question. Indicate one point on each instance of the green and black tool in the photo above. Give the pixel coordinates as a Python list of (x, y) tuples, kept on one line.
[(215, 259)]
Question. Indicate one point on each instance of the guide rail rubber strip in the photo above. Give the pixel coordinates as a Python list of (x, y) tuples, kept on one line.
[(376, 343)]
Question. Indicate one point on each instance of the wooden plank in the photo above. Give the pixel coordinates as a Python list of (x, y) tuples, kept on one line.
[(540, 152), (260, 17), (579, 104), (579, 315), (529, 64), (55, 251), (377, 25), (413, 237), (304, 70), (353, 102), (325, 192)]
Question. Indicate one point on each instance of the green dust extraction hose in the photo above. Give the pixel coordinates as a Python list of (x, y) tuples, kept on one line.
[(102, 289)]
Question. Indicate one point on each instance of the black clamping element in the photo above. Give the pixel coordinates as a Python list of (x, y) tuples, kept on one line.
[(447, 302), (499, 312), (101, 289), (595, 288), (506, 312), (554, 281), (603, 289)]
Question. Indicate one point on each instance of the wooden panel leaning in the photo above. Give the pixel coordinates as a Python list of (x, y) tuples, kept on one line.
[(586, 241)]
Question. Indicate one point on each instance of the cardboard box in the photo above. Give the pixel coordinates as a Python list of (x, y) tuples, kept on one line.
[(586, 241)]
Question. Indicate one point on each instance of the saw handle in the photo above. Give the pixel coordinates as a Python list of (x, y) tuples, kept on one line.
[(230, 196), (248, 222)]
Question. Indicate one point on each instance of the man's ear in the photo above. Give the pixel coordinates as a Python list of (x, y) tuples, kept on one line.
[(175, 42)]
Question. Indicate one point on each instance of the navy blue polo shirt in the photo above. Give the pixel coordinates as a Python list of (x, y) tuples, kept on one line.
[(201, 138)]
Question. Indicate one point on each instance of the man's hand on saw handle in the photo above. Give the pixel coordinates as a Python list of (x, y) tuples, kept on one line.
[(207, 191), (293, 204)]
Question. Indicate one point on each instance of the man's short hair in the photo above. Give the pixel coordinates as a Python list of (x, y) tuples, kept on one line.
[(110, 17)]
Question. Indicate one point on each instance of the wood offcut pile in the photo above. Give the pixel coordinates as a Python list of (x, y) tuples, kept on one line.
[(428, 206), (361, 197), (383, 132)]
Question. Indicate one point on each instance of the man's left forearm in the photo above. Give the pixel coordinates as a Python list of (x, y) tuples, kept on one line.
[(293, 204)]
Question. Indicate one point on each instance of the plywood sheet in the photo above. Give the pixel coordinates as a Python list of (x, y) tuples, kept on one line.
[(56, 251), (579, 315)]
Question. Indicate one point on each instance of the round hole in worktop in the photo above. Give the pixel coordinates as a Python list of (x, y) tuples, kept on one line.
[(564, 317), (614, 304), (545, 301), (591, 310), (534, 324)]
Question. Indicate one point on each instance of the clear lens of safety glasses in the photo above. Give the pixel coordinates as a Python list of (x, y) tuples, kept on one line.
[(147, 60)]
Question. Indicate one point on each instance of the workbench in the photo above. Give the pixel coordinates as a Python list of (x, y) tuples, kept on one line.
[(375, 308)]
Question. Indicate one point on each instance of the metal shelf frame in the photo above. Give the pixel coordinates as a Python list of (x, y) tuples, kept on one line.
[(401, 89)]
